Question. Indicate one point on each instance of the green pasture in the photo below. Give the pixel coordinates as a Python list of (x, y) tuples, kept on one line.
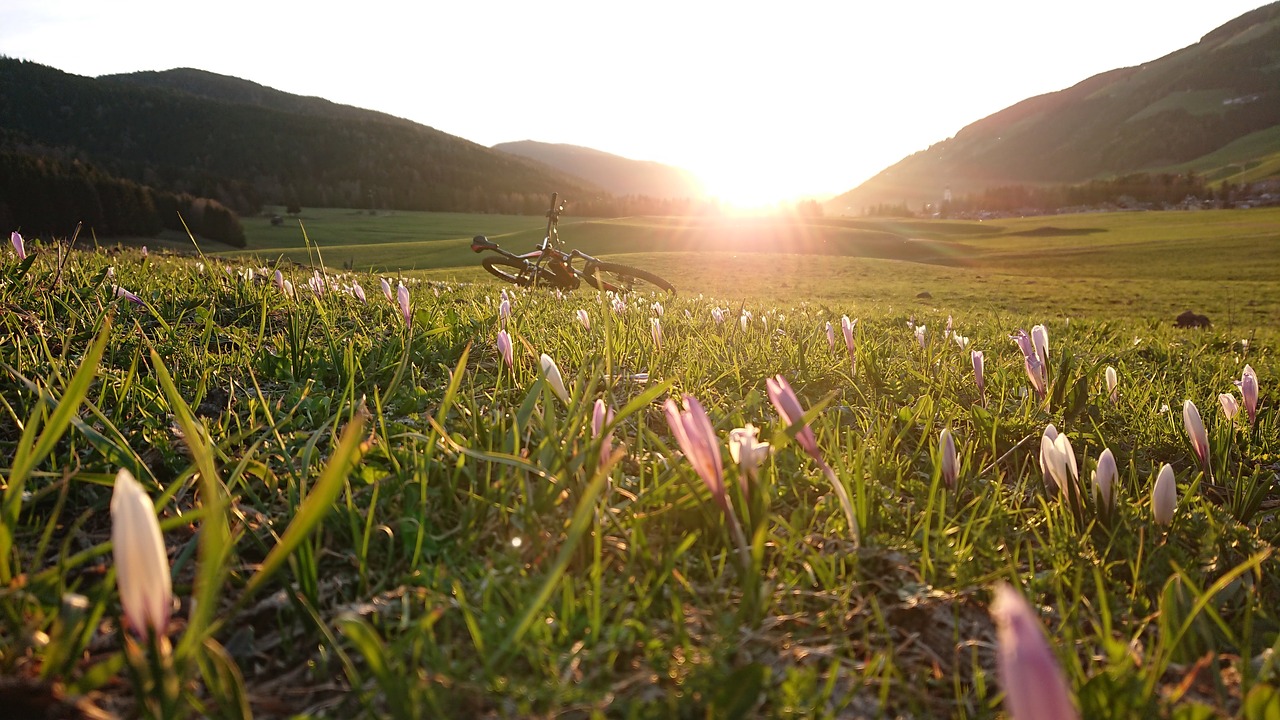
[(1152, 265), (366, 512)]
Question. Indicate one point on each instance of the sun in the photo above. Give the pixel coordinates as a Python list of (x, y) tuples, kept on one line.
[(763, 184)]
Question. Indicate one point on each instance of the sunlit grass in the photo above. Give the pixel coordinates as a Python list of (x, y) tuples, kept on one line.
[(407, 526)]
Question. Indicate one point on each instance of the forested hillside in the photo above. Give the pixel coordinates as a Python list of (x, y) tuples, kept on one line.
[(246, 155), (1176, 112)]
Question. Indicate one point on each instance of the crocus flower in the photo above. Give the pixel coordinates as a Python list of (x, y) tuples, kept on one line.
[(288, 288), (1112, 383), (978, 364), (846, 327), (655, 329), (602, 415), (19, 246), (1104, 479), (402, 294), (1249, 390), (961, 341), (552, 372), (120, 292), (1229, 405), (1034, 686), (698, 442), (946, 331), (1059, 461), (278, 279), (1034, 366), (359, 292), (744, 319), (1040, 340), (1164, 496), (658, 309), (1051, 433), (316, 283), (747, 451), (585, 319), (386, 291), (831, 336), (920, 332), (1195, 430), (142, 565), (504, 308), (950, 460), (145, 252), (718, 315), (504, 348), (788, 406)]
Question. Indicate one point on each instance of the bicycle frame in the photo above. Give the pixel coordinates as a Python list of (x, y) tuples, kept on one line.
[(549, 265), (561, 263)]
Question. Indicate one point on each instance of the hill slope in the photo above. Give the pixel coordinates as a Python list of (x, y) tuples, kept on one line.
[(246, 144), (618, 175), (1172, 112)]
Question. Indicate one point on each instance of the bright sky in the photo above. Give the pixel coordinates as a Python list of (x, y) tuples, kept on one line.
[(764, 101)]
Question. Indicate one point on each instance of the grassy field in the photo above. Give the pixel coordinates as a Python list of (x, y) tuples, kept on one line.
[(1153, 266), (370, 513)]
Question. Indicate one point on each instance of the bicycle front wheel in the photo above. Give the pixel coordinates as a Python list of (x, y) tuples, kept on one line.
[(625, 279), (513, 271)]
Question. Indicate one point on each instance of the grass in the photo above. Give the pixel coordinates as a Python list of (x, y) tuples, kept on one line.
[(368, 519)]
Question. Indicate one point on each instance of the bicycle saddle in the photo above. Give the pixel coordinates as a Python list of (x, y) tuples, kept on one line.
[(481, 243)]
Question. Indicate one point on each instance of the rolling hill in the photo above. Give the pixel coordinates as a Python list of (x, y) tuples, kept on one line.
[(246, 144), (618, 175), (1213, 107)]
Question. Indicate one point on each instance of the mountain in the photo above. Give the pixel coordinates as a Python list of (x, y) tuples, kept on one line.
[(618, 175), (245, 144), (1213, 107)]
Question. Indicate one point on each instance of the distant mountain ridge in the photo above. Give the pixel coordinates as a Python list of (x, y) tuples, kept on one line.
[(616, 174), (245, 144), (1213, 107), (226, 88)]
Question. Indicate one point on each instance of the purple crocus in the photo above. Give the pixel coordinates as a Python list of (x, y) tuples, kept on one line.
[(602, 415), (1034, 686), (978, 366), (402, 295), (697, 439), (19, 246), (120, 292), (1196, 432), (1035, 367), (505, 348), (789, 409), (846, 327), (788, 406), (1249, 391)]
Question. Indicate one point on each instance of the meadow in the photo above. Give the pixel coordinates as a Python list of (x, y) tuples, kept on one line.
[(369, 511)]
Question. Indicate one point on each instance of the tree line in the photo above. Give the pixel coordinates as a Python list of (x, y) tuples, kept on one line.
[(41, 196), (1136, 189)]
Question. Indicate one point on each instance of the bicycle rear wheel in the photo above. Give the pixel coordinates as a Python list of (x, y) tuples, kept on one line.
[(624, 279), (513, 271)]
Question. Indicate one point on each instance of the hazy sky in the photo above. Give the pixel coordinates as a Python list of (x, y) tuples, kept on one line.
[(763, 100)]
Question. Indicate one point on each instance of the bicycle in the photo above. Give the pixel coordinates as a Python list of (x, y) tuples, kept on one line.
[(549, 266)]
